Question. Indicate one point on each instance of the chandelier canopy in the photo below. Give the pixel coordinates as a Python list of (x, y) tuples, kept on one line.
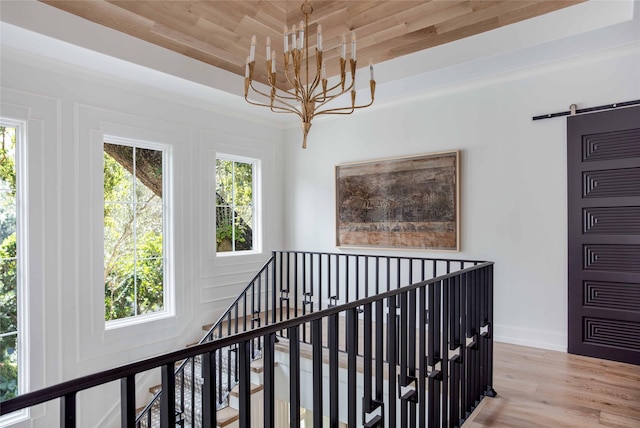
[(307, 96)]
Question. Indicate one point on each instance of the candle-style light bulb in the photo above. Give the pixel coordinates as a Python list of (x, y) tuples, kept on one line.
[(268, 48), (252, 52), (294, 44), (371, 69), (343, 54), (286, 39), (273, 61), (319, 33), (353, 46), (246, 69), (301, 38)]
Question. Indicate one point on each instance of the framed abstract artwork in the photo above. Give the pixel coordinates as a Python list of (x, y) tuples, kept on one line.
[(406, 202)]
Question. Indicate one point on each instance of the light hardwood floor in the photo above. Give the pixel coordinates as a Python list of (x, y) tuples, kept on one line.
[(539, 388)]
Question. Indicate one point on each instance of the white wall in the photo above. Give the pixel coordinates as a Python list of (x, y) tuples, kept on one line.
[(68, 111), (513, 181), (513, 175)]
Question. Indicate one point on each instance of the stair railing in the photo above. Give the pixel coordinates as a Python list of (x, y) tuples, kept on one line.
[(435, 337), (290, 284), (246, 308)]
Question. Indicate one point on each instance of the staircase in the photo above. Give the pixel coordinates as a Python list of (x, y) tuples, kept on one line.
[(321, 339), (190, 377), (293, 284)]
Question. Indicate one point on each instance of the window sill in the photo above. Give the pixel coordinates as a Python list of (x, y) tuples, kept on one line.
[(238, 257), (134, 321), (14, 418)]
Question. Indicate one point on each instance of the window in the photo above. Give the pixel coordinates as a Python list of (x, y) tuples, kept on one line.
[(12, 355), (135, 262), (235, 205)]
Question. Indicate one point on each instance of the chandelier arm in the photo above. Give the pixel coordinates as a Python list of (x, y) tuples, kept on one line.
[(281, 110), (344, 110), (349, 110), (300, 88), (292, 83), (289, 95), (276, 109), (318, 77), (314, 85), (287, 107), (342, 92), (284, 94), (259, 92), (330, 97)]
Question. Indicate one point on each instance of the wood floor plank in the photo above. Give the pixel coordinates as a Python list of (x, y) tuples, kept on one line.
[(541, 388), (613, 420)]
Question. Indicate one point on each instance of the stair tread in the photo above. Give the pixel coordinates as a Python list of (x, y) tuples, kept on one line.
[(253, 389), (257, 366), (226, 416)]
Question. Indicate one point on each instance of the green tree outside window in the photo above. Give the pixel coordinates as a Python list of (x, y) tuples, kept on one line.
[(234, 205), (8, 267), (133, 231)]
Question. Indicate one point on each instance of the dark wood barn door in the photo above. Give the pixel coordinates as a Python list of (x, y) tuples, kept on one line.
[(603, 157)]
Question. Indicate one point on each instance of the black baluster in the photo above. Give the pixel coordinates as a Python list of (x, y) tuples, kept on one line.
[(269, 379), (333, 372), (352, 370), (318, 380), (422, 352), (128, 401), (490, 391), (168, 397), (294, 376), (209, 403), (244, 389), (444, 366), (68, 410), (392, 346)]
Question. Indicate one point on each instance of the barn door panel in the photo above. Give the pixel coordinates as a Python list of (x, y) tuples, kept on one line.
[(603, 157)]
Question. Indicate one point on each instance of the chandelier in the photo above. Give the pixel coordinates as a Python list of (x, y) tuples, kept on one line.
[(308, 96)]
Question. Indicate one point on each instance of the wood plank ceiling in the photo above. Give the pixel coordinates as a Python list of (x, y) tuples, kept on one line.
[(219, 32)]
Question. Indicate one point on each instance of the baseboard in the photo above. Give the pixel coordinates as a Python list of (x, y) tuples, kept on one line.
[(530, 337)]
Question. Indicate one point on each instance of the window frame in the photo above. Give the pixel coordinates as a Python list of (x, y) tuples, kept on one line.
[(256, 226), (168, 259), (22, 274)]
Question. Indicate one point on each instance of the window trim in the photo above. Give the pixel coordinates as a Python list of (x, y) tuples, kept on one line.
[(257, 204), (169, 300), (22, 274)]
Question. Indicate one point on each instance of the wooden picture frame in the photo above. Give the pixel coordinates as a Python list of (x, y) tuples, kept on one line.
[(406, 202)]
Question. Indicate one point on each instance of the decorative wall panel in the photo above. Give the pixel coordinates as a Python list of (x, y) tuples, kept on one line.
[(612, 258), (614, 333), (611, 145), (612, 295), (611, 183), (611, 220)]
